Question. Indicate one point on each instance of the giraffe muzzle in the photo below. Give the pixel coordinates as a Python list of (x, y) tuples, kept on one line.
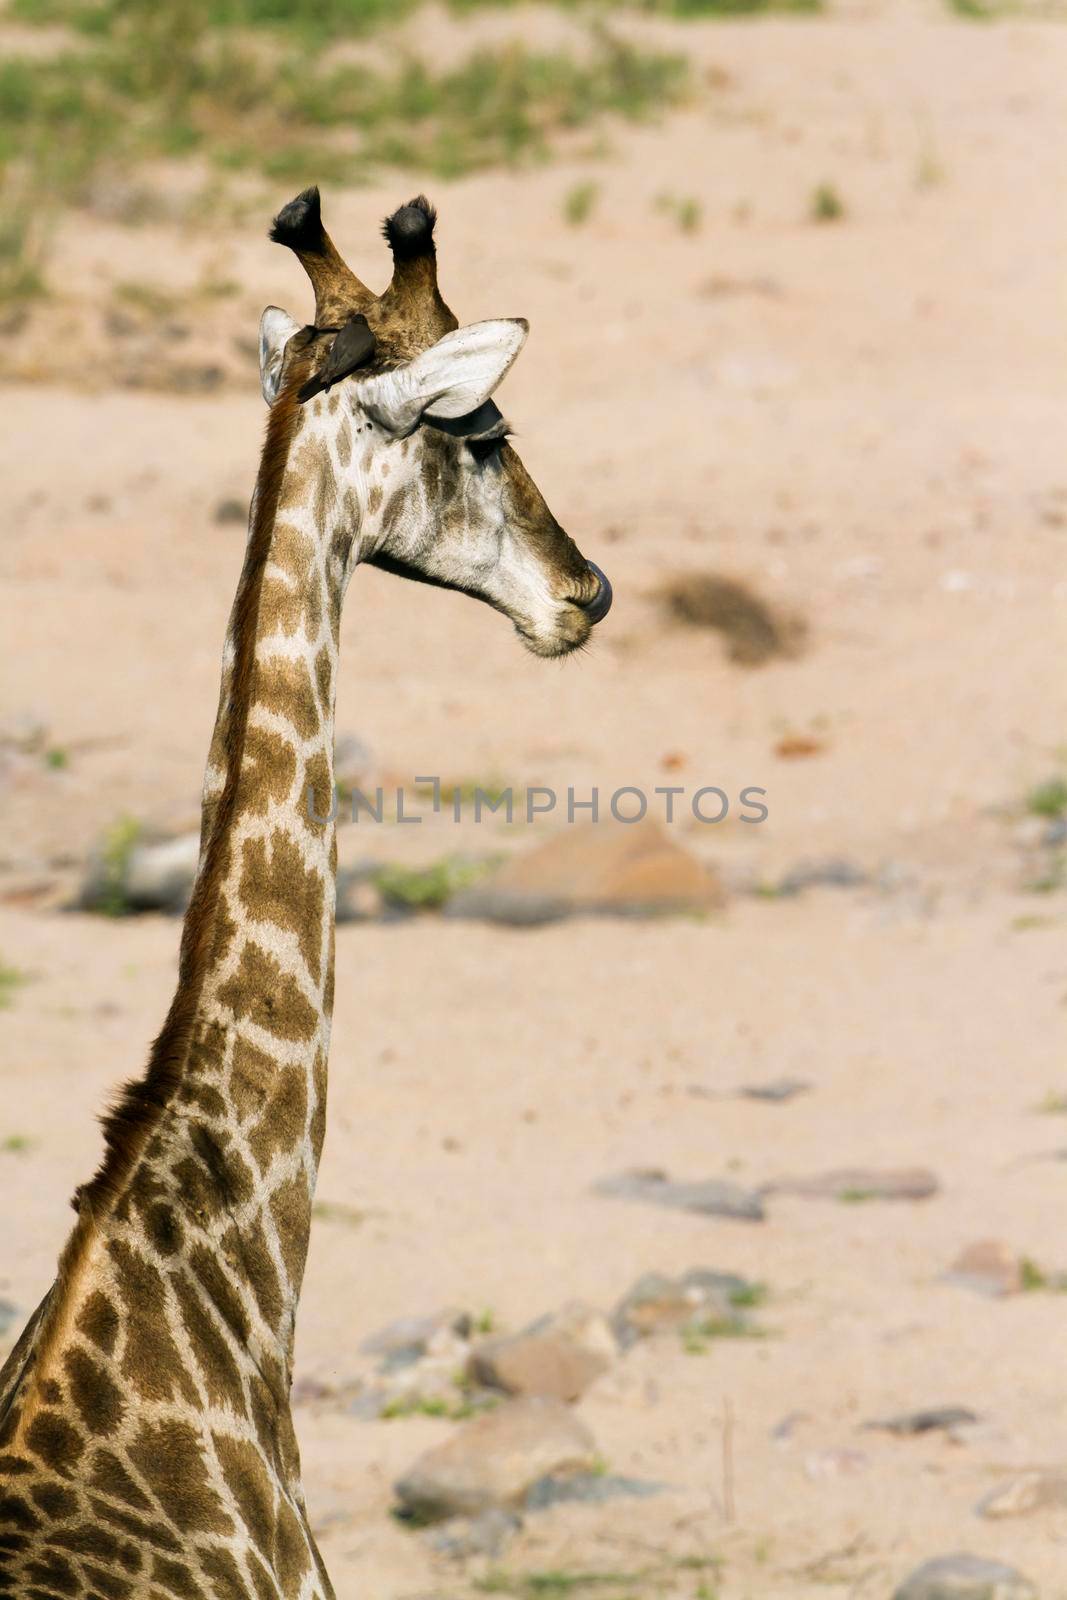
[(598, 608)]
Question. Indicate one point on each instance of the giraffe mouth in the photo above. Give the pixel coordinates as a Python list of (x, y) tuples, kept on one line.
[(571, 632)]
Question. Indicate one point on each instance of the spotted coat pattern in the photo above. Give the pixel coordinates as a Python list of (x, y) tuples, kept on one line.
[(146, 1442)]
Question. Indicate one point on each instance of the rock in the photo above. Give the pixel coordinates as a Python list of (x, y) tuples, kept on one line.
[(935, 1418), (658, 1304), (860, 1183), (353, 764), (494, 1459), (484, 1535), (715, 1197), (127, 875), (9, 1315), (606, 868), (231, 510), (965, 1577), (989, 1267), (1036, 1489), (408, 1339), (776, 1091), (833, 873), (558, 1356), (588, 1488)]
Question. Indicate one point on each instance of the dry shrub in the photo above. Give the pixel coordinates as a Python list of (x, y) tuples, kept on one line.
[(754, 629)]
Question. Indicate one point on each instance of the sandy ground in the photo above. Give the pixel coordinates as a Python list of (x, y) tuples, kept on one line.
[(864, 420)]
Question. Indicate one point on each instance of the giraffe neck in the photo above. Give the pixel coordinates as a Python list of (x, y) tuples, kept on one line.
[(213, 1155)]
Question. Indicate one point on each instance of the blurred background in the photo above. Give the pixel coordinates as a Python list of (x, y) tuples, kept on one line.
[(796, 381)]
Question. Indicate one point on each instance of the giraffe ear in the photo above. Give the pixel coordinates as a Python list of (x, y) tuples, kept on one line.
[(276, 328), (453, 377)]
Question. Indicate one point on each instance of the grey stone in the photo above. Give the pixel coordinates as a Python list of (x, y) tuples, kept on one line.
[(9, 1315), (231, 510), (156, 875), (931, 1420), (409, 1338), (860, 1183), (560, 1356), (714, 1197), (833, 873), (989, 1267), (658, 1304), (484, 1535), (965, 1577), (775, 1091), (588, 1488), (607, 868), (494, 1459), (1035, 1489)]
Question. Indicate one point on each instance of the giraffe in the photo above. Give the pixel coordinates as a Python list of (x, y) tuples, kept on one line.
[(147, 1449)]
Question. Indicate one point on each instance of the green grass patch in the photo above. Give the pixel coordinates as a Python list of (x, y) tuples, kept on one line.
[(430, 887), (16, 1144), (1048, 799), (116, 848), (579, 203), (163, 81), (826, 204), (11, 980)]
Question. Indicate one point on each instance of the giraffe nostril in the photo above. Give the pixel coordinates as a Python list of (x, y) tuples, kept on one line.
[(597, 608)]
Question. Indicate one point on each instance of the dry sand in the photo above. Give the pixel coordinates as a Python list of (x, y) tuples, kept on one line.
[(863, 419)]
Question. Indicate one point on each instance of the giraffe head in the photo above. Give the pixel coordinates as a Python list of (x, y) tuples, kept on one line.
[(417, 451)]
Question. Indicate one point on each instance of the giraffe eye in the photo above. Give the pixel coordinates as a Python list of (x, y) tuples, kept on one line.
[(485, 449)]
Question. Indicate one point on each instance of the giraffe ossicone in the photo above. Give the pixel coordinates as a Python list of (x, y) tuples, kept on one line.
[(146, 1441)]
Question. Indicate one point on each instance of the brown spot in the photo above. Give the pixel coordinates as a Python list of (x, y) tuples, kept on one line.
[(279, 888), (305, 466), (223, 1573), (324, 679), (154, 1533), (55, 1501), (17, 1513), (290, 1550), (216, 1362), (230, 1173), (97, 1397), (250, 1074), (56, 1572), (374, 498), (248, 1482), (221, 1292), (99, 1321), (319, 780), (111, 1476), (290, 1206), (52, 1391), (281, 609), (206, 1099), (318, 1115), (149, 1358), (107, 1584), (87, 1539), (284, 1121), (285, 687), (292, 550), (248, 1246), (343, 440), (269, 997), (268, 770), (59, 1445), (170, 1458), (266, 1589), (163, 1228), (176, 1579)]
